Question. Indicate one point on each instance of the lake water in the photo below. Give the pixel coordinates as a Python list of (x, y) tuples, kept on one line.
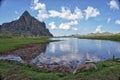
[(72, 51)]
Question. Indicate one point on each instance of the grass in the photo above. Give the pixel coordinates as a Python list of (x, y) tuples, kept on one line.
[(107, 70), (7, 44), (113, 37), (16, 71)]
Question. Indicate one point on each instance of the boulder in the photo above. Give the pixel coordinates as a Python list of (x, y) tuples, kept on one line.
[(85, 67)]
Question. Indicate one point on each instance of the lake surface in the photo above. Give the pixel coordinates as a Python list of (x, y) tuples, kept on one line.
[(71, 51)]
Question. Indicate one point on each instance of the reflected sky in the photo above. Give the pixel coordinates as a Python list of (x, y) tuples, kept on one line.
[(12, 57), (73, 51)]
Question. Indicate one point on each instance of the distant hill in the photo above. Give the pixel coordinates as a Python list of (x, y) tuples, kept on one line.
[(104, 33), (95, 34), (26, 25)]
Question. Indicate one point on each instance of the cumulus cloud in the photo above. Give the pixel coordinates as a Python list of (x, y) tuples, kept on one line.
[(74, 28), (108, 20), (37, 5), (64, 13), (91, 12), (117, 22), (42, 14), (98, 29), (67, 14), (41, 8), (52, 25), (68, 25), (113, 4), (64, 26)]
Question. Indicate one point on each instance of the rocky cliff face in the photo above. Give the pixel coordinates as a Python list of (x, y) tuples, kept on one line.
[(26, 25)]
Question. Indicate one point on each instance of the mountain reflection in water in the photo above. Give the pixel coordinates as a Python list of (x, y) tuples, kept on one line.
[(26, 54), (69, 51)]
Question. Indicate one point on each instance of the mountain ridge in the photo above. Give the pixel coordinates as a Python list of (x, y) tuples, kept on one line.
[(26, 25)]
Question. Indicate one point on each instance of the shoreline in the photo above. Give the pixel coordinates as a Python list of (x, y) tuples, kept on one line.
[(9, 68), (113, 37), (12, 44)]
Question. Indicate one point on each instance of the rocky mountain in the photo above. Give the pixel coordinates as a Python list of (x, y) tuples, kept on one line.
[(26, 25)]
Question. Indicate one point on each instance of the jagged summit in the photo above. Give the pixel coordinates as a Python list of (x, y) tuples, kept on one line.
[(26, 25), (26, 13)]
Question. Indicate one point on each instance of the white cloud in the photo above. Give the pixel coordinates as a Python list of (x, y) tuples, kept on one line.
[(54, 13), (98, 29), (64, 13), (52, 25), (74, 28), (68, 25), (113, 4), (37, 5), (108, 20), (41, 8), (64, 26), (91, 12), (42, 14), (67, 14), (117, 22)]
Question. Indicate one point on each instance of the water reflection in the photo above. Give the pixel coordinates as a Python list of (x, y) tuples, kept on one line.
[(70, 51), (118, 49), (26, 54), (92, 58), (53, 48), (98, 43), (67, 59), (12, 57)]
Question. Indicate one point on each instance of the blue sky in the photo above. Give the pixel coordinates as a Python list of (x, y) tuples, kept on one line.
[(66, 17)]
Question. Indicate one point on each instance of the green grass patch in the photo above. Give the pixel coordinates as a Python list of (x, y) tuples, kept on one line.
[(113, 37), (107, 70), (16, 71), (7, 44)]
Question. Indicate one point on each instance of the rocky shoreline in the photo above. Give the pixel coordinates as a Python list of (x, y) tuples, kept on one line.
[(29, 52)]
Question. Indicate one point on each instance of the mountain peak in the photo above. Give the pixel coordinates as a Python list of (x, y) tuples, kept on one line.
[(26, 25), (26, 13)]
